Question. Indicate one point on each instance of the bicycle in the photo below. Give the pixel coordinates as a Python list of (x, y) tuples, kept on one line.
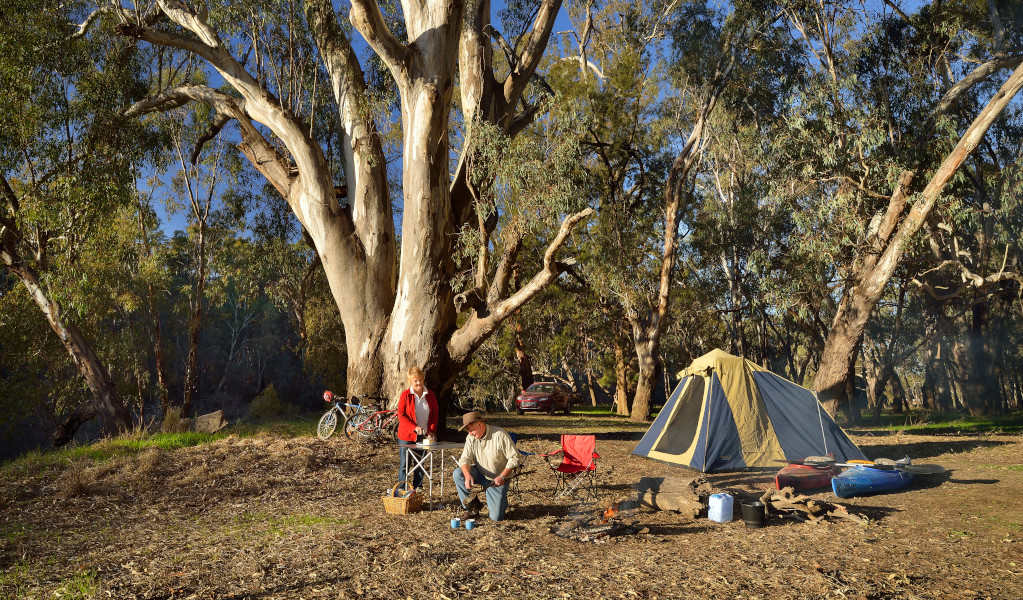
[(371, 425), (361, 419), (328, 422)]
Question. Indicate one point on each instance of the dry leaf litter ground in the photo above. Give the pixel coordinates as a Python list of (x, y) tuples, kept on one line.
[(268, 517)]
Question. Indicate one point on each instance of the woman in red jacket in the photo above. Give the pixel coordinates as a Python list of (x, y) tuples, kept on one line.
[(417, 420)]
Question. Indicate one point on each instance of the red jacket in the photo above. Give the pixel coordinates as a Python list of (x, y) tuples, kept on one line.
[(407, 415)]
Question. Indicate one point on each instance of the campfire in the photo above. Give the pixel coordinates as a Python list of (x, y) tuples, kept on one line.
[(610, 512), (587, 524)]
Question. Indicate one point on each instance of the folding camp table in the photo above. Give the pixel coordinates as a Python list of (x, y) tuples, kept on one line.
[(423, 461)]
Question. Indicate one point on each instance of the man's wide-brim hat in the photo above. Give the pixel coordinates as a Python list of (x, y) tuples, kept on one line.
[(469, 418)]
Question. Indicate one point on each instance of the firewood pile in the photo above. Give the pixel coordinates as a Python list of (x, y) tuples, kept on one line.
[(586, 524), (788, 504), (688, 496)]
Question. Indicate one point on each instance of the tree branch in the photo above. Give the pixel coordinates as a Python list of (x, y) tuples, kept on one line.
[(262, 155), (83, 27), (996, 25), (898, 11), (366, 17), (184, 15), (521, 120), (356, 130), (8, 191), (880, 273), (478, 328), (218, 122), (899, 197), (499, 285), (969, 278), (587, 65), (525, 66), (216, 55), (975, 76), (509, 52)]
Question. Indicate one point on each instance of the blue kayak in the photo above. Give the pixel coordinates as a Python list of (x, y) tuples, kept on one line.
[(861, 480)]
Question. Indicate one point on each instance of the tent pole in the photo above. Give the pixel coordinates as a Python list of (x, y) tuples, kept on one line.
[(820, 418)]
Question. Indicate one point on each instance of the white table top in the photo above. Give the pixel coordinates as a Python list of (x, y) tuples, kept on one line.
[(433, 446)]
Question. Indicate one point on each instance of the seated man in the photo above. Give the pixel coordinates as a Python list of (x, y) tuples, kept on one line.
[(488, 458)]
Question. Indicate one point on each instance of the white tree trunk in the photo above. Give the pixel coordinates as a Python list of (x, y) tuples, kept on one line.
[(397, 308)]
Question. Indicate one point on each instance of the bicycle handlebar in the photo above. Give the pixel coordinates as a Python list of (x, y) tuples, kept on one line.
[(371, 397)]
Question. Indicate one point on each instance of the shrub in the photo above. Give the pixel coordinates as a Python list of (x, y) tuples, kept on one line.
[(78, 481), (267, 405), (173, 423)]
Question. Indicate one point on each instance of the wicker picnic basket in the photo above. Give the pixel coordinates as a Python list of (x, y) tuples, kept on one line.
[(397, 504)]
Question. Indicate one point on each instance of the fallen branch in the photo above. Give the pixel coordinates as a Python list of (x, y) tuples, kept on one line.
[(804, 508)]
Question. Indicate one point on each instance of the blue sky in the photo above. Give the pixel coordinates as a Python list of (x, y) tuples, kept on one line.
[(178, 221)]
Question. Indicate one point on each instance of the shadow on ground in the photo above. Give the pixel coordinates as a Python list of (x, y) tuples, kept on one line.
[(924, 449)]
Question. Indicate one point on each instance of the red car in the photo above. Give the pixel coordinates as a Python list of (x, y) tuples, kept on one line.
[(545, 397)]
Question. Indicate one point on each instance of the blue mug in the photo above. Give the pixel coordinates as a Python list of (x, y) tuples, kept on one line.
[(455, 523), (470, 523)]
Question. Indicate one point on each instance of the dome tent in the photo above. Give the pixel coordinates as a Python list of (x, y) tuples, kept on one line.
[(729, 413)]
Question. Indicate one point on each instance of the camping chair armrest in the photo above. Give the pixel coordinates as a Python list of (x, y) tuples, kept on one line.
[(546, 458)]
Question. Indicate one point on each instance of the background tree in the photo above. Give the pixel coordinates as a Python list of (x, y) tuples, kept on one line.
[(895, 148), (63, 170), (213, 197)]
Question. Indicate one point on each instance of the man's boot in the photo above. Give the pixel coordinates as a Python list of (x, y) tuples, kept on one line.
[(472, 507)]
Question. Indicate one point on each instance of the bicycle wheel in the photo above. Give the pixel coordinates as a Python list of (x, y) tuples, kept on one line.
[(359, 428), (327, 424), (372, 427)]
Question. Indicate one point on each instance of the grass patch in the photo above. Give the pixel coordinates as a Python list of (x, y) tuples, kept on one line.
[(80, 587), (136, 442), (595, 411), (276, 526), (13, 580), (285, 427), (13, 531), (170, 441), (104, 450), (310, 520), (930, 423)]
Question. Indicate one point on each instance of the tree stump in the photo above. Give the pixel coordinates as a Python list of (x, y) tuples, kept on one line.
[(209, 423), (684, 495)]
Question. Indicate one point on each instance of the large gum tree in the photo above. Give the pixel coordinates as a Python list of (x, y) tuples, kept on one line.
[(396, 298)]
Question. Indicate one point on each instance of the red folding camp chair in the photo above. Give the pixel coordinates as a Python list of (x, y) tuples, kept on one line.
[(578, 467)]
